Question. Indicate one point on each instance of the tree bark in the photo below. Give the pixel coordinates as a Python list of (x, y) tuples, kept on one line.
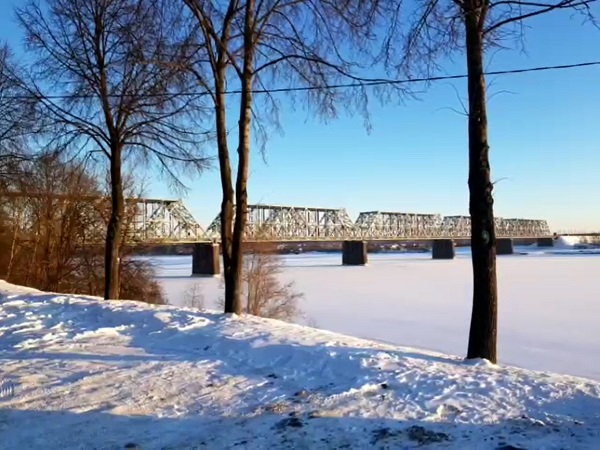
[(241, 185), (46, 249), (227, 188), (483, 330), (114, 229)]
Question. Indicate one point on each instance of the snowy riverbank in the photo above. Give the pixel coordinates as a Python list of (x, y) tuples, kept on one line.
[(82, 373)]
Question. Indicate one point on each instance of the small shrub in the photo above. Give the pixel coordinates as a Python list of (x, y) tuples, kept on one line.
[(193, 297), (311, 322), (264, 295), (138, 282)]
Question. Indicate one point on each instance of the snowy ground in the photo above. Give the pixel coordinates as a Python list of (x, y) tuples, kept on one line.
[(549, 302), (81, 373)]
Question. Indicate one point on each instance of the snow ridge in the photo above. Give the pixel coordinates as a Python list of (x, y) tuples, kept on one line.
[(78, 372)]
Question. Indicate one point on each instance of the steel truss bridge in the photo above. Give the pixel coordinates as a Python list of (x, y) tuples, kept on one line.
[(159, 221), (169, 221)]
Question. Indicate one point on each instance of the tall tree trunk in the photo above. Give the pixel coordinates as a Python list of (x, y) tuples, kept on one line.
[(114, 229), (46, 249), (483, 330), (13, 246), (241, 185), (228, 194)]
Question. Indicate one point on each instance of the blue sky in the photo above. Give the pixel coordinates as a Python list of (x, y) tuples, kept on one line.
[(544, 140)]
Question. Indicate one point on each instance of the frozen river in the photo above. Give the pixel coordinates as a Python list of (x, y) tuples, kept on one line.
[(549, 302)]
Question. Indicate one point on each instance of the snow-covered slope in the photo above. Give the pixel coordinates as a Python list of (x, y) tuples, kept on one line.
[(82, 373)]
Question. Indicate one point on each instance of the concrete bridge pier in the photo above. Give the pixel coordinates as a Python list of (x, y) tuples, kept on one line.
[(354, 253), (504, 246), (205, 259), (443, 249), (545, 242)]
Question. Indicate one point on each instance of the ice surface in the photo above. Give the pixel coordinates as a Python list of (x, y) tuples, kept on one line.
[(549, 304), (81, 373)]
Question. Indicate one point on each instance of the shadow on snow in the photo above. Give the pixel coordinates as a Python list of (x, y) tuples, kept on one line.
[(327, 370)]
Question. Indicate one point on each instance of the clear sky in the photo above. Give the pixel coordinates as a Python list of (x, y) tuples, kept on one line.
[(544, 138)]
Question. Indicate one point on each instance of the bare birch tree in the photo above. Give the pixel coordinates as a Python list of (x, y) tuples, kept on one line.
[(96, 78), (438, 28), (261, 45)]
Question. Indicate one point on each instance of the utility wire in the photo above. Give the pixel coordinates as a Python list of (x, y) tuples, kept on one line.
[(427, 79), (365, 83)]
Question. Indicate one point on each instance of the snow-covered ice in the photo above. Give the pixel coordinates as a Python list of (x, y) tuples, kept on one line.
[(83, 373), (549, 301)]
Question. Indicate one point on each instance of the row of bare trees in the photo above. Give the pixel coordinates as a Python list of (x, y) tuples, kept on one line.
[(51, 232), (155, 81)]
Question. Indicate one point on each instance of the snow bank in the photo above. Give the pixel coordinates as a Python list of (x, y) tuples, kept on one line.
[(82, 373)]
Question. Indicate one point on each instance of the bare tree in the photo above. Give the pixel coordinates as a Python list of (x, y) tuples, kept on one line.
[(193, 297), (438, 28), (50, 232), (17, 118), (266, 295), (96, 78), (250, 45), (263, 293), (48, 227)]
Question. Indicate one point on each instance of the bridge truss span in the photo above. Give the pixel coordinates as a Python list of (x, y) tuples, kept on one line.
[(269, 223), (289, 223), (456, 227), (147, 221), (158, 221), (164, 221), (524, 228), (459, 227), (378, 225)]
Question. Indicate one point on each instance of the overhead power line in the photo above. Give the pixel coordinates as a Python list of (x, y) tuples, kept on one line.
[(426, 79), (355, 84)]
